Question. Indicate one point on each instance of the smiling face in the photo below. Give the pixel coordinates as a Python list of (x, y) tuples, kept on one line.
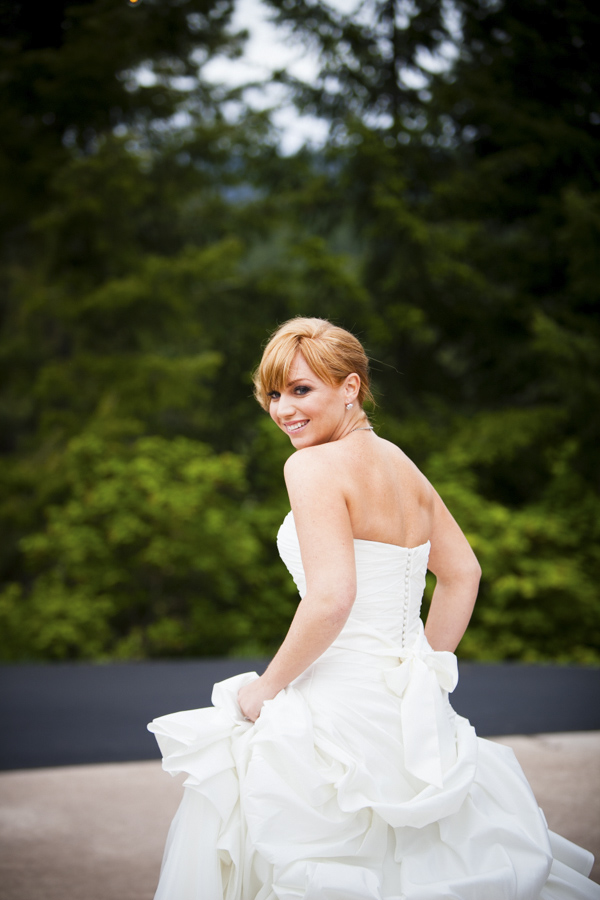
[(310, 410)]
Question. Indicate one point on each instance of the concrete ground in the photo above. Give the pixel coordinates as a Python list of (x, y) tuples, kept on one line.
[(97, 832)]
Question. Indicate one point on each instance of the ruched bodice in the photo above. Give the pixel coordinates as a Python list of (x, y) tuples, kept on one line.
[(382, 646), (358, 781), (390, 581)]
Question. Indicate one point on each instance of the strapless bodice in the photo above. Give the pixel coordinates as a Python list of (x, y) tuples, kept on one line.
[(357, 779), (390, 583)]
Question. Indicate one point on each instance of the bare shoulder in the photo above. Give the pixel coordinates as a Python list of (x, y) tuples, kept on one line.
[(318, 500), (393, 459), (319, 462), (399, 456)]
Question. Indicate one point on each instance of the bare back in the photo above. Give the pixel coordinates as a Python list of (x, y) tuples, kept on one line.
[(388, 498), (366, 488)]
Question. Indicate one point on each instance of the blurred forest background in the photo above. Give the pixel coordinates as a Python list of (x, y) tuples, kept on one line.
[(154, 234)]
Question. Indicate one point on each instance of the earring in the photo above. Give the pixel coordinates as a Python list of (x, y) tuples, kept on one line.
[(349, 405)]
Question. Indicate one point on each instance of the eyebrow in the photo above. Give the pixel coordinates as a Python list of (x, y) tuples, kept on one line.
[(296, 380)]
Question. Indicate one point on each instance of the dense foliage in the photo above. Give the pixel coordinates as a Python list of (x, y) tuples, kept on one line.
[(153, 235)]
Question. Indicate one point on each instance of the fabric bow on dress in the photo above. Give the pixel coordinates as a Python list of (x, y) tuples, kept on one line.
[(420, 681)]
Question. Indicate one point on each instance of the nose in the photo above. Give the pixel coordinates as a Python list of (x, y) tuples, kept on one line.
[(286, 407)]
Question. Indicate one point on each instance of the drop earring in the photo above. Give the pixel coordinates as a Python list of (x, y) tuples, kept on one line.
[(349, 405)]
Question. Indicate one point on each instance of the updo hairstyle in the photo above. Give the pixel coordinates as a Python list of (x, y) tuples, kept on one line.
[(331, 352)]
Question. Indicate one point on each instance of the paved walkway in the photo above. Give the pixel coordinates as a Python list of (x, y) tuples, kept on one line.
[(97, 832)]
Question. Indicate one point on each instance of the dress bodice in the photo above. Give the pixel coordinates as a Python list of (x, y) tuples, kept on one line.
[(357, 779), (390, 583), (383, 645)]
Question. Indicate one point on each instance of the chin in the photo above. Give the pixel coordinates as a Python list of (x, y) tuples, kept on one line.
[(300, 440), (296, 440)]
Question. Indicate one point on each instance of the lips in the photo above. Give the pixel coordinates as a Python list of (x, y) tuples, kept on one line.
[(294, 427)]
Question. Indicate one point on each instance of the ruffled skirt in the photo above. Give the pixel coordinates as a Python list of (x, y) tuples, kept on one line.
[(338, 793)]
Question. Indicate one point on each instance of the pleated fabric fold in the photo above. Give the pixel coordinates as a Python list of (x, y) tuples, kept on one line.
[(300, 805), (358, 781)]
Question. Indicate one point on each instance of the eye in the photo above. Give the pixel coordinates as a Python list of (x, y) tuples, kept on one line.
[(301, 390), (273, 395)]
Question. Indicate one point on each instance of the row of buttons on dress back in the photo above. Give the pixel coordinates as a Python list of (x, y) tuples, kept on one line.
[(406, 594)]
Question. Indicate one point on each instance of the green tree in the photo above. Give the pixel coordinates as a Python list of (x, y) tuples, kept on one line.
[(472, 203), (154, 551), (153, 243), (69, 78)]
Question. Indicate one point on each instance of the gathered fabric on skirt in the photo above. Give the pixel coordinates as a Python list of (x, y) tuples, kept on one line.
[(358, 781)]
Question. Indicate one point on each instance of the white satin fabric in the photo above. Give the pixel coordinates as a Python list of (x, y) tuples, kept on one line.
[(358, 781)]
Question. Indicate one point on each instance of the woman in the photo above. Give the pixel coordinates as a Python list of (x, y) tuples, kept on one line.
[(343, 772)]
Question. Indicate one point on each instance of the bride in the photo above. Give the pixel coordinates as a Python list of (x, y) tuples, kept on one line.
[(342, 773)]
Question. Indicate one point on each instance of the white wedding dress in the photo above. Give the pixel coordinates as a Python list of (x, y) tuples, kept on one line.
[(358, 781)]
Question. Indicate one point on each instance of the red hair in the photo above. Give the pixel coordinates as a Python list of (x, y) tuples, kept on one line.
[(332, 353)]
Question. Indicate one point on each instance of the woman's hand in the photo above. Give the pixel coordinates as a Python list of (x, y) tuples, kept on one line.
[(252, 696)]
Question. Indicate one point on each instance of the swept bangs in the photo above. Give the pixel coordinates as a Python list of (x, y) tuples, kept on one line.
[(331, 353)]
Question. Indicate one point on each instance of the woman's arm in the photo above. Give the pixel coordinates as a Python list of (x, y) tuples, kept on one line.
[(327, 548), (458, 573)]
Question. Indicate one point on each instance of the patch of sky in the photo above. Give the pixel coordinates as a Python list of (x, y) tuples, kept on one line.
[(271, 48)]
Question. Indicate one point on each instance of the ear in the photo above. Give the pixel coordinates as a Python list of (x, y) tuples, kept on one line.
[(351, 387)]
